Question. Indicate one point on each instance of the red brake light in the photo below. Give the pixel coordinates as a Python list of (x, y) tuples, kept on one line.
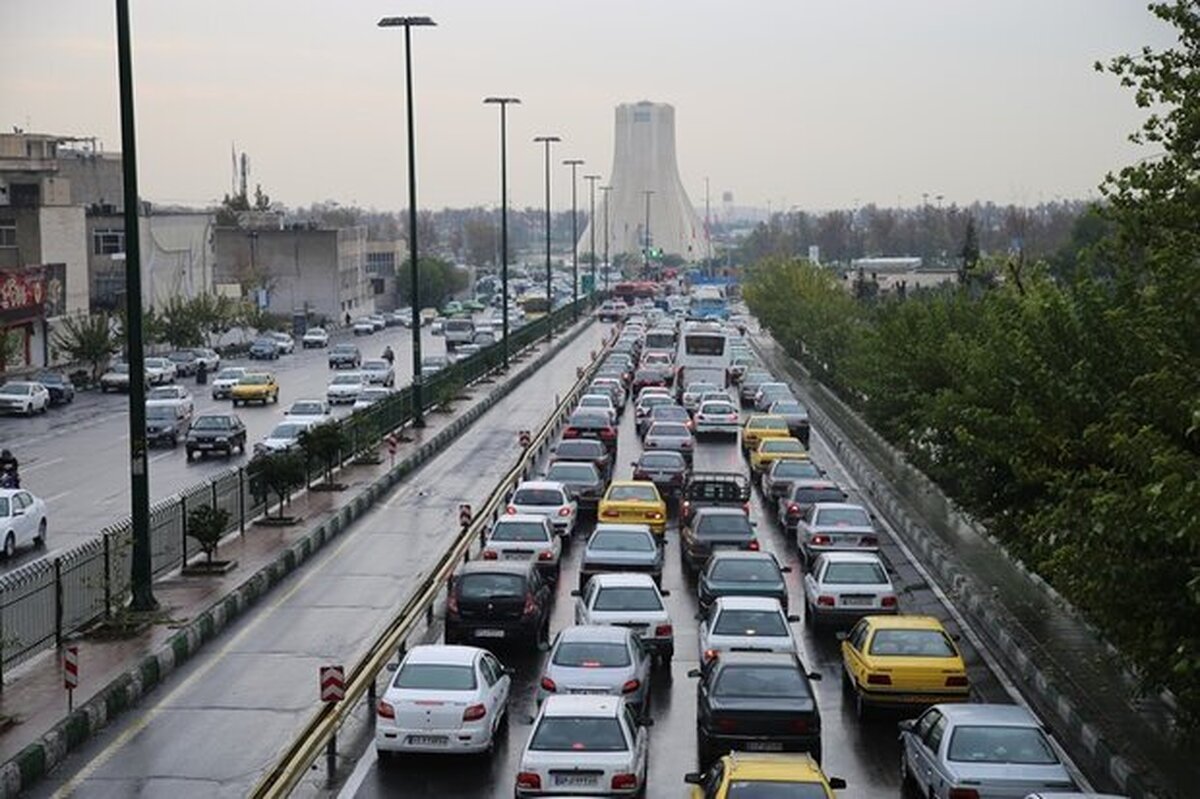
[(490, 554), (565, 510), (820, 540), (663, 629), (623, 782), (510, 510), (799, 725), (639, 475), (630, 686), (686, 507), (753, 545), (746, 508), (868, 541), (888, 602), (963, 793), (474, 713), (608, 433), (654, 515), (957, 681), (530, 606), (726, 725), (529, 780), (384, 710), (878, 679), (452, 603), (610, 514), (546, 554), (710, 655), (826, 601), (549, 685), (570, 432), (793, 509)]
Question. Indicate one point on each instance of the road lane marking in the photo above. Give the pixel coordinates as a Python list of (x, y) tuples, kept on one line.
[(33, 467), (53, 497)]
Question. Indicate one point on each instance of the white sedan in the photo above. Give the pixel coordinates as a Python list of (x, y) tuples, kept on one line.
[(345, 387), (19, 396), (173, 396), (585, 745), (159, 371), (449, 699), (747, 624), (225, 380), (315, 337), (549, 499), (845, 586), (629, 600), (379, 372), (371, 395), (284, 437), (717, 417), (22, 520), (309, 410), (525, 537)]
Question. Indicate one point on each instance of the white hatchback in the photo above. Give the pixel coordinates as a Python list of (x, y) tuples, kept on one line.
[(546, 498), (525, 536), (584, 746), (746, 624), (449, 699), (629, 600)]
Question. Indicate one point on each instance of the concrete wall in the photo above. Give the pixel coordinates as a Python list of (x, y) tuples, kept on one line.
[(63, 241), (94, 178)]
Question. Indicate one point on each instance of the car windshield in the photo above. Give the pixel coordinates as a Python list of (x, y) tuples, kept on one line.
[(621, 541), (750, 622), (843, 517), (15, 389), (912, 643), (782, 445), (307, 409), (435, 677), (633, 494), (345, 349), (538, 496), (669, 430), (591, 654), (980, 744), (212, 423), (753, 681), (288, 430), (724, 524), (518, 531), (160, 412), (578, 734), (229, 374), (864, 573), (347, 380), (768, 423), (739, 570), (627, 597), (572, 473), (770, 789), (489, 586), (662, 460), (375, 366), (50, 379), (255, 380)]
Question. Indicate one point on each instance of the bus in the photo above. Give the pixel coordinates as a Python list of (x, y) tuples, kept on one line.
[(708, 302), (535, 306), (703, 355)]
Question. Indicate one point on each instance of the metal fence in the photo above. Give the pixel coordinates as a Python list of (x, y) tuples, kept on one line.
[(51, 598)]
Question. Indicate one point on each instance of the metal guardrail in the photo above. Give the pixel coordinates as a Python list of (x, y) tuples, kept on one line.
[(295, 763), (45, 601)]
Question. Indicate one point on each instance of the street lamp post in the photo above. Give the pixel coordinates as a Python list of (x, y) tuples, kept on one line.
[(646, 252), (141, 578), (408, 23), (591, 179), (503, 103), (574, 163), (607, 265), (548, 140)]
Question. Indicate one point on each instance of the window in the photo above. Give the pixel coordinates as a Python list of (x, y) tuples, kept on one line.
[(8, 234), (108, 241), (980, 744), (934, 738), (489, 672), (704, 345), (435, 677), (578, 734)]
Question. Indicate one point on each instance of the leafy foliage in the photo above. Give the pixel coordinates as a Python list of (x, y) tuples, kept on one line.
[(324, 445), (439, 281), (12, 346), (280, 472), (89, 339), (207, 524)]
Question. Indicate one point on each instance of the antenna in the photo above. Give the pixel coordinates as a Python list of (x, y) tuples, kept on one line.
[(232, 168), (245, 172)]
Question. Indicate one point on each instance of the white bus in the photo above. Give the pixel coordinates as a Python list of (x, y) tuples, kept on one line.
[(703, 355)]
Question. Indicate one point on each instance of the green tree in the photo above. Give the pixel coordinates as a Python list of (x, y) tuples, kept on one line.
[(280, 472), (207, 524), (481, 238), (12, 348), (88, 339), (323, 445), (969, 252), (179, 325), (439, 281), (215, 315)]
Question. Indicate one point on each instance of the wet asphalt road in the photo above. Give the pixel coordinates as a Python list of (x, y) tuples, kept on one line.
[(228, 713), (866, 754), (74, 456)]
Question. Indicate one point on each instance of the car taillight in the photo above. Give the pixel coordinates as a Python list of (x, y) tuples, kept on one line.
[(710, 655), (963, 793), (529, 780), (549, 685), (490, 554), (799, 725), (624, 782), (888, 602), (608, 433), (826, 601), (611, 514), (957, 681), (564, 511), (687, 506), (384, 710), (753, 545), (640, 475), (452, 603), (878, 679), (663, 630), (474, 713), (820, 540), (653, 515), (510, 510), (687, 445), (793, 509), (630, 686), (530, 606), (746, 508), (546, 554), (726, 725), (570, 432), (868, 541)]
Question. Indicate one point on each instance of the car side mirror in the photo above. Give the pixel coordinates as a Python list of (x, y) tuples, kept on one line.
[(815, 675), (693, 672), (693, 778), (785, 569), (664, 592), (792, 619), (908, 725), (841, 635), (509, 670), (392, 666), (645, 721), (575, 592), (837, 783)]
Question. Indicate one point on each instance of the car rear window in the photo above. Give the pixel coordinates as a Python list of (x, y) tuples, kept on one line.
[(753, 681), (435, 677), (669, 413), (811, 496), (588, 419), (618, 541), (627, 598), (794, 468), (578, 734), (591, 654), (488, 586), (782, 445), (744, 571), (750, 622), (713, 408), (912, 643), (669, 429), (724, 525), (768, 423), (518, 531), (662, 460), (537, 496), (572, 472), (635, 493), (980, 744), (843, 517), (854, 574)]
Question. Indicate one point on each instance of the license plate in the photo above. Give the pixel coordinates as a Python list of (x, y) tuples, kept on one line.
[(489, 633), (428, 740), (511, 555), (858, 601), (588, 691), (203, 445), (575, 779), (764, 746)]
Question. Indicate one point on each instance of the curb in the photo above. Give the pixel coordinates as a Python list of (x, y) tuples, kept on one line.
[(39, 758)]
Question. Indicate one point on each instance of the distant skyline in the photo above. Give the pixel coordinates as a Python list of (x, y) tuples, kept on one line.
[(788, 102)]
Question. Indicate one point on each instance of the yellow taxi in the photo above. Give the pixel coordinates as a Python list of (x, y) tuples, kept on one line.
[(759, 426), (634, 502), (770, 450), (771, 770), (255, 387), (905, 661)]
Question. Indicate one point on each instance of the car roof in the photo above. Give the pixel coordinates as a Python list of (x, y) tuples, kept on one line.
[(536, 518), (775, 766), (582, 705), (736, 658), (836, 556), (840, 506), (615, 579), (979, 713), (756, 418), (520, 567), (905, 621), (739, 554), (536, 484), (622, 528), (637, 483), (442, 653), (814, 482), (721, 511), (748, 603), (595, 632)]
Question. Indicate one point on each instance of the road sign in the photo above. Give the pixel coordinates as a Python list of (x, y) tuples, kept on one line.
[(392, 444), (525, 438), (70, 667), (464, 515), (333, 684)]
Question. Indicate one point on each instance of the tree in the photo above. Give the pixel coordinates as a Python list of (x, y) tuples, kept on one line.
[(439, 281), (88, 339), (179, 325), (969, 252), (482, 240), (280, 472), (214, 314), (324, 445), (207, 524), (12, 348)]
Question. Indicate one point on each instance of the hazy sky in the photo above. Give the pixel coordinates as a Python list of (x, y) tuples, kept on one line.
[(815, 103)]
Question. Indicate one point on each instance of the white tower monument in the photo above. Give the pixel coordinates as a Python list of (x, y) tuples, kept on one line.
[(645, 171)]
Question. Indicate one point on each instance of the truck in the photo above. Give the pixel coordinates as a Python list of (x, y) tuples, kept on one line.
[(713, 490), (458, 332)]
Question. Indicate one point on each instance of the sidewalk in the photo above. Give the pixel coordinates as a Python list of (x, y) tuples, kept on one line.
[(114, 674)]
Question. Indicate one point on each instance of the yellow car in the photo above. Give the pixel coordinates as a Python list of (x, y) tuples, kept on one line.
[(759, 426), (770, 450), (634, 502), (255, 387), (907, 661), (771, 770)]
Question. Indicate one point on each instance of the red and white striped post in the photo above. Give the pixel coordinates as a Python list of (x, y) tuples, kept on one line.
[(333, 690), (70, 668)]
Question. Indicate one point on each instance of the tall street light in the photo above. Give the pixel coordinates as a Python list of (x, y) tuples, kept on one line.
[(141, 580), (574, 163), (408, 23), (591, 179), (607, 265), (646, 252), (503, 103), (548, 140)]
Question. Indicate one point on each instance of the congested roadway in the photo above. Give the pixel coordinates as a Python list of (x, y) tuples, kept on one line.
[(865, 753), (73, 455)]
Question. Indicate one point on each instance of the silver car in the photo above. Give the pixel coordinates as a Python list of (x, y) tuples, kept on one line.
[(671, 436), (379, 372), (833, 526), (997, 751), (770, 393), (842, 587), (582, 477), (621, 548), (783, 475), (598, 659)]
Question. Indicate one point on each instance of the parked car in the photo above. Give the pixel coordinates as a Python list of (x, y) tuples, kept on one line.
[(742, 573), (216, 432), (344, 356), (263, 348), (745, 624), (115, 379), (597, 660), (498, 601), (621, 548), (207, 357), (842, 587), (345, 387), (186, 362), (23, 396), (315, 338), (224, 381), (451, 699), (629, 600), (61, 390), (255, 387), (22, 520), (525, 536), (159, 371), (363, 327)]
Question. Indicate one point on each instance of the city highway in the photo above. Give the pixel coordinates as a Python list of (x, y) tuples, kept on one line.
[(75, 456), (229, 712)]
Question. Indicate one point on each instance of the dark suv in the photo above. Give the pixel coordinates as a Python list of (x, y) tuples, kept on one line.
[(216, 432), (498, 602)]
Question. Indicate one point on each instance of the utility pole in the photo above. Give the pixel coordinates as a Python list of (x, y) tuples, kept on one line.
[(646, 250), (707, 229), (591, 179), (574, 163), (607, 236), (503, 103), (548, 140)]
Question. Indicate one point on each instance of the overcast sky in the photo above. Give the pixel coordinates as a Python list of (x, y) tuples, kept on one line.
[(815, 103)]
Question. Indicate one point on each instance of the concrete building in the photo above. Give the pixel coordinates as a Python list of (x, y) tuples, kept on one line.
[(384, 259), (644, 161), (177, 256), (298, 268)]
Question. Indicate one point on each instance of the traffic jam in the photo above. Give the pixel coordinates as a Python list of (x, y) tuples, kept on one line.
[(684, 533)]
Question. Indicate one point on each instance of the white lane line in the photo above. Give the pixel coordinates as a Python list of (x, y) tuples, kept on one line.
[(361, 770), (53, 497), (33, 467)]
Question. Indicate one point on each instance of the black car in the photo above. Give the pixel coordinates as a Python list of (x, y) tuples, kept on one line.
[(60, 388), (711, 529), (266, 349), (742, 574), (668, 471), (806, 493), (496, 602), (186, 362), (760, 701), (583, 478), (593, 425), (216, 432), (585, 449), (344, 356)]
